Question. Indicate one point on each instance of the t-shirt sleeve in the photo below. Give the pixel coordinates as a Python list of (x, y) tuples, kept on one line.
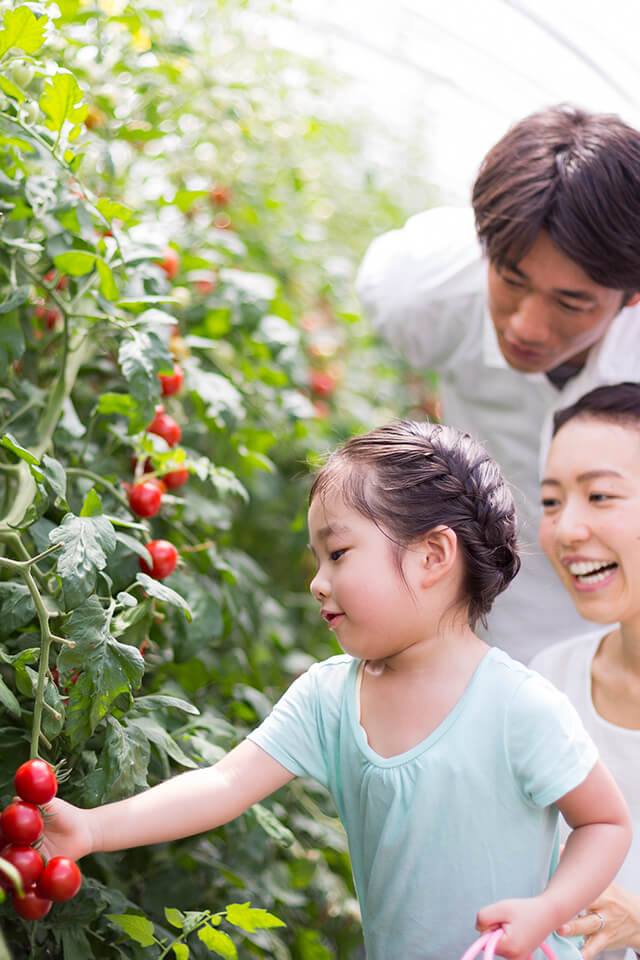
[(417, 284), (293, 732), (549, 750)]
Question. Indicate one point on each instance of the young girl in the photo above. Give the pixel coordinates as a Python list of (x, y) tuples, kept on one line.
[(590, 530), (447, 760)]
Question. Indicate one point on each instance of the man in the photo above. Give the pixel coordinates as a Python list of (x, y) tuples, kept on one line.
[(522, 305)]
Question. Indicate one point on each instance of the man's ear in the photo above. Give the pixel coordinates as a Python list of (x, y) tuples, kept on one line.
[(438, 552)]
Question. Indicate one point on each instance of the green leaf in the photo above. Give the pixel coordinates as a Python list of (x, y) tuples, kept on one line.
[(161, 592), (12, 90), (75, 263), (12, 444), (142, 358), (92, 506), (272, 826), (11, 341), (61, 101), (106, 668), (174, 917), (8, 700), (161, 738), (108, 286), (120, 403), (16, 606), (87, 541), (22, 29), (18, 296), (181, 950), (155, 701), (217, 941), (137, 928), (112, 210), (124, 760), (55, 476), (251, 918)]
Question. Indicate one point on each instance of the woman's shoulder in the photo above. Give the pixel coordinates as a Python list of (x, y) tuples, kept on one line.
[(554, 661)]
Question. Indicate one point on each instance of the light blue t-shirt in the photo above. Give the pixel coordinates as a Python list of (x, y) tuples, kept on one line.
[(461, 820)]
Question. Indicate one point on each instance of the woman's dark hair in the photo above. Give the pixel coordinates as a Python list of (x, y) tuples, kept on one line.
[(619, 403), (575, 175), (410, 477)]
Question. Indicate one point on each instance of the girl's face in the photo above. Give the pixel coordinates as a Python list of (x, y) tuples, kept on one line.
[(364, 599), (590, 527)]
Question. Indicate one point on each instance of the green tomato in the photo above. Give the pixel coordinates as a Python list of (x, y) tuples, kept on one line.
[(29, 111), (22, 72)]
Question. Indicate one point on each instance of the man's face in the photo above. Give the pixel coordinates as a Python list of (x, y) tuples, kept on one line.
[(546, 310)]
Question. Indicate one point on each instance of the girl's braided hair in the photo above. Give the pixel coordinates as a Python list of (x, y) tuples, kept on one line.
[(410, 477)]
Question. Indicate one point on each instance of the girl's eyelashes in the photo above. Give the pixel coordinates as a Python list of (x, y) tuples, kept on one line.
[(548, 503), (336, 554)]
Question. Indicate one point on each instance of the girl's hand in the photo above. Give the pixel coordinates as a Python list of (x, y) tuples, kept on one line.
[(620, 910), (67, 831), (526, 923)]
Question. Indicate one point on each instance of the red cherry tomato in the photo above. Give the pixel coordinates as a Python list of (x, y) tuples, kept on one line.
[(166, 427), (145, 499), (176, 478), (27, 862), (170, 262), (35, 782), (32, 906), (21, 822), (60, 880), (164, 556), (159, 483), (322, 382), (171, 382)]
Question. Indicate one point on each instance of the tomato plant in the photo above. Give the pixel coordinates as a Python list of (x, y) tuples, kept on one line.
[(171, 382), (60, 879), (35, 782), (31, 906), (26, 860), (145, 498), (166, 427), (22, 822), (164, 558)]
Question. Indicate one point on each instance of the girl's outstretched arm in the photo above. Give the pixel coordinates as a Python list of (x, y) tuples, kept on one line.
[(594, 852), (190, 803)]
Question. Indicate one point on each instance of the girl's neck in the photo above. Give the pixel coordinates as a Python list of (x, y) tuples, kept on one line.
[(447, 649)]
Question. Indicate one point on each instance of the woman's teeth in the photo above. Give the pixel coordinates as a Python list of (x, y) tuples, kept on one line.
[(589, 571)]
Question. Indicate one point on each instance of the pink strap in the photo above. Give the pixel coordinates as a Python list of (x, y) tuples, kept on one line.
[(489, 941)]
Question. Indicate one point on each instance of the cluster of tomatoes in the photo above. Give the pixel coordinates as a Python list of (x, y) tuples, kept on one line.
[(21, 826), (145, 497)]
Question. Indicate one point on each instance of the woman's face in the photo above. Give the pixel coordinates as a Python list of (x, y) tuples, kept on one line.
[(590, 527)]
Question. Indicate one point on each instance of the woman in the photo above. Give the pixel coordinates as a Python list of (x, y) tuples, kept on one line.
[(590, 530)]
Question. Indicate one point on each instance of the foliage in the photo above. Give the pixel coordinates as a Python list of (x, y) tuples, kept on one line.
[(171, 192)]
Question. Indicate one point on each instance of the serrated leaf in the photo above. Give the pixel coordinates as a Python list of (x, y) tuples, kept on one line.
[(106, 668), (8, 700), (75, 263), (18, 296), (136, 928), (142, 358), (10, 442), (86, 543), (251, 918), (161, 592), (61, 101), (124, 760), (108, 286), (92, 505), (22, 29), (174, 917), (218, 941)]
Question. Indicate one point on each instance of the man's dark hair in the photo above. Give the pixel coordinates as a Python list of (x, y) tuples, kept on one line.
[(575, 175), (618, 403)]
